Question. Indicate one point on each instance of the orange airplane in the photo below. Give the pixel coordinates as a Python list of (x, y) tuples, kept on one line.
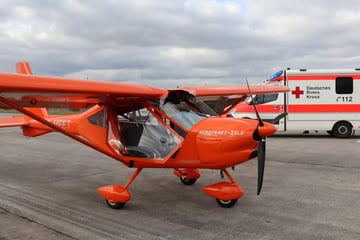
[(143, 126)]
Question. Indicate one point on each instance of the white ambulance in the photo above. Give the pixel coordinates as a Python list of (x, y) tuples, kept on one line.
[(318, 101)]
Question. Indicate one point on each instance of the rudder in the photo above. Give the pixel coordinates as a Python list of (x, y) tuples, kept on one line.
[(24, 68)]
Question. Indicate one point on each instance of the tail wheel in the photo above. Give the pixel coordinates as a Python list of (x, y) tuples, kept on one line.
[(342, 130), (114, 205), (226, 203)]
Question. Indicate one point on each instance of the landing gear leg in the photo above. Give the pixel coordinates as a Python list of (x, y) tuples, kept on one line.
[(116, 196), (225, 193)]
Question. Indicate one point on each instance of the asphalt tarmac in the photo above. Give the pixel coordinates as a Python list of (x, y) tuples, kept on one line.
[(48, 190)]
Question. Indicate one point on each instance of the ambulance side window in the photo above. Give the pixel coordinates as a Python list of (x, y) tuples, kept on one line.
[(265, 98), (344, 85)]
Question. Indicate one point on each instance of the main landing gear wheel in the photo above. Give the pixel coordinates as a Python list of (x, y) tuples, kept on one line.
[(226, 203), (114, 205), (186, 181)]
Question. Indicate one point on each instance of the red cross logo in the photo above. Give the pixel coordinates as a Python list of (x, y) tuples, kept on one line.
[(297, 92)]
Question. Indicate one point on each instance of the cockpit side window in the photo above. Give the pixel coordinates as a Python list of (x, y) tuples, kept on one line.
[(155, 129), (144, 136), (99, 119)]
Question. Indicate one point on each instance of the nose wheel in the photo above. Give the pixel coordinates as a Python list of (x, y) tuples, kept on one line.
[(114, 205), (225, 193), (226, 203)]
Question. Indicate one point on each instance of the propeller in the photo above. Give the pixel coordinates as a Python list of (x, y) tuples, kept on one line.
[(262, 145), (261, 163), (261, 123)]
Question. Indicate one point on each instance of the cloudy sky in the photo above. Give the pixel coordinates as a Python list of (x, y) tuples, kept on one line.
[(177, 42)]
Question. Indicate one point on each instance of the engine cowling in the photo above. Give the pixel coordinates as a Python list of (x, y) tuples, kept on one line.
[(220, 141)]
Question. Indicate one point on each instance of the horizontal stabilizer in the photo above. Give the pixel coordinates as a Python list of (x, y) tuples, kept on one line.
[(34, 132), (24, 122), (13, 121)]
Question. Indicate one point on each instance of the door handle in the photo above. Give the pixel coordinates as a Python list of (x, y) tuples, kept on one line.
[(275, 107)]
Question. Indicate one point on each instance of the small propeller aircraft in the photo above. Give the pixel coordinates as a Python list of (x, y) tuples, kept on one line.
[(143, 127)]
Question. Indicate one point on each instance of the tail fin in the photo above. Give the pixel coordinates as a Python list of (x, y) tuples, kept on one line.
[(24, 68), (23, 120), (34, 132)]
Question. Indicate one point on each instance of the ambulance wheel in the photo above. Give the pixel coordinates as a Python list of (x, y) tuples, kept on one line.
[(342, 130), (227, 203), (186, 181), (114, 205)]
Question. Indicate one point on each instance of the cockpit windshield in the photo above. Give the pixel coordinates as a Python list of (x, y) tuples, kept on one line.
[(145, 133), (185, 109)]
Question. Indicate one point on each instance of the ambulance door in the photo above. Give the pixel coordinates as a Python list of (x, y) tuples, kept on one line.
[(270, 106)]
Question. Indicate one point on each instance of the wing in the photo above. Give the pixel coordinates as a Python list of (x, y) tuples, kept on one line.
[(32, 94), (234, 90), (51, 92), (224, 98)]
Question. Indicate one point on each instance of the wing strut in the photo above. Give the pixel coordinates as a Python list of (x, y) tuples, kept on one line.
[(234, 105), (57, 128)]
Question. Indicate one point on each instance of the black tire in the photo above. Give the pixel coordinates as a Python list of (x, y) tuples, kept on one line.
[(188, 182), (226, 203), (342, 130), (114, 205)]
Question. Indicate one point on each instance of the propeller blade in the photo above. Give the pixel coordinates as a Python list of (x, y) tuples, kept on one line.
[(262, 144), (261, 163), (261, 123)]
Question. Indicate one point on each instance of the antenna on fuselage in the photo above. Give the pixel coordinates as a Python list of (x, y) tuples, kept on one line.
[(140, 72)]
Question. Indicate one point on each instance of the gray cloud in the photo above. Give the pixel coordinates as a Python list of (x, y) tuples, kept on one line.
[(172, 43)]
